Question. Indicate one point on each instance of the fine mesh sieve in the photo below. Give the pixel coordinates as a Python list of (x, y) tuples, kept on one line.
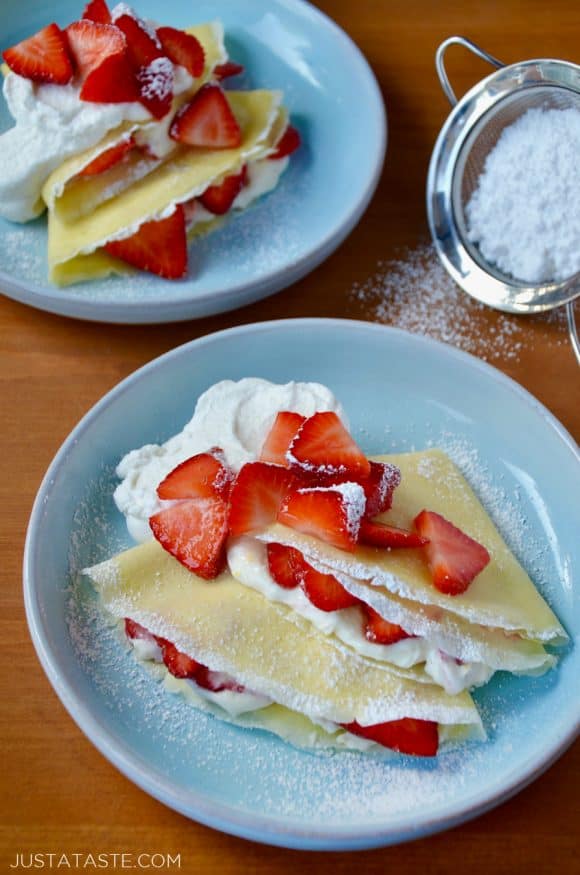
[(458, 159)]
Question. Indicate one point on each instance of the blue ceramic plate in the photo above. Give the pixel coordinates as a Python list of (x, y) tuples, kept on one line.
[(334, 100), (401, 392)]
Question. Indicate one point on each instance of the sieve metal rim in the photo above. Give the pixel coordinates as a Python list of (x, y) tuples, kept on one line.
[(502, 294)]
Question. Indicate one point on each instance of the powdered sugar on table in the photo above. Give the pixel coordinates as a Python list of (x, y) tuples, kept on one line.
[(415, 293)]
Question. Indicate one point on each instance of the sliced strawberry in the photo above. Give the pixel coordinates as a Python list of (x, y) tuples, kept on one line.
[(323, 446), (183, 49), (218, 199), (381, 535), (411, 736), (207, 120), (380, 486), (257, 495), (108, 158), (332, 514), (112, 81), (280, 437), (324, 591), (142, 43), (381, 631), (216, 681), (179, 664), (287, 144), (204, 475), (454, 558), (90, 43), (195, 532), (155, 81), (159, 247), (227, 69), (97, 10), (135, 630), (43, 57), (284, 565)]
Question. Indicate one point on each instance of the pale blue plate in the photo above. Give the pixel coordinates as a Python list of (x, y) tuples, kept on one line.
[(401, 392), (335, 102)]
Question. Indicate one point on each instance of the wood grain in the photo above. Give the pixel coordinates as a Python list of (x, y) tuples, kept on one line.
[(58, 793)]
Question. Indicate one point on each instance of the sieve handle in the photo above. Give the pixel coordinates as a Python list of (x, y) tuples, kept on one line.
[(575, 341), (440, 62)]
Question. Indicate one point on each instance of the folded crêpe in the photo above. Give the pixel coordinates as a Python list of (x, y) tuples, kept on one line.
[(75, 245), (501, 620), (313, 685)]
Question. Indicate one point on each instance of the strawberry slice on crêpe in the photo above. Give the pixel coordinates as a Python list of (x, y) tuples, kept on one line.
[(194, 532), (454, 558)]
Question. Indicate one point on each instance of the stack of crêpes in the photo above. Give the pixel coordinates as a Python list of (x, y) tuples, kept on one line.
[(294, 585), (126, 136)]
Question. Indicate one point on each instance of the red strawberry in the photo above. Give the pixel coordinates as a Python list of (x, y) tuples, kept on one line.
[(43, 57), (179, 664), (195, 532), (227, 69), (380, 486), (142, 43), (324, 591), (90, 43), (108, 158), (218, 199), (159, 247), (284, 564), (381, 631), (332, 514), (257, 495), (183, 49), (97, 10), (207, 120), (411, 736), (216, 681), (454, 558), (155, 81), (287, 144), (324, 446), (381, 535), (113, 81), (280, 437), (135, 630), (202, 476)]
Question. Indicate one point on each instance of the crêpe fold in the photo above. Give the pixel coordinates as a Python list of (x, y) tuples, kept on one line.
[(185, 175), (234, 629)]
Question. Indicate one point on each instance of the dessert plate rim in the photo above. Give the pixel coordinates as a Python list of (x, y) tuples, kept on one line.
[(287, 832), (166, 305)]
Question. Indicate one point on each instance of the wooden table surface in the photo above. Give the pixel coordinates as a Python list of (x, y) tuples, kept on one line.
[(59, 794)]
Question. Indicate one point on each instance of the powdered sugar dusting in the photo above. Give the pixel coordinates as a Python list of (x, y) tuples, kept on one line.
[(417, 294), (156, 80)]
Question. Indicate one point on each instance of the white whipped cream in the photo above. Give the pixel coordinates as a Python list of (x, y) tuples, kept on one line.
[(233, 701), (235, 416), (263, 176), (51, 125), (248, 562)]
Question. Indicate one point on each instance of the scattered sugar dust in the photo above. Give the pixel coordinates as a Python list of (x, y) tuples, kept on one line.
[(417, 294)]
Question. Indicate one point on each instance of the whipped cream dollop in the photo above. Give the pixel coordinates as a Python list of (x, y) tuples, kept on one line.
[(235, 416), (52, 124)]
